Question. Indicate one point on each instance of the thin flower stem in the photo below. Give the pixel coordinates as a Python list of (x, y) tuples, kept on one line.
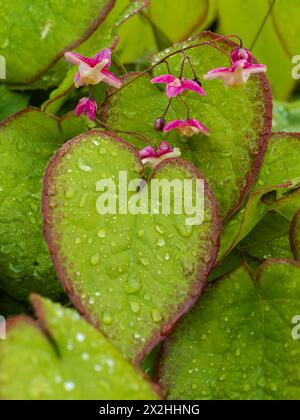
[(168, 107), (261, 28), (129, 133), (192, 67), (168, 67), (163, 60), (182, 65), (119, 63), (186, 107)]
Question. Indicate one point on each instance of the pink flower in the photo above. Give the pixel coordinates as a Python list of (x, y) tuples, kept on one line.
[(176, 86), (187, 127), (164, 151), (240, 71), (88, 107), (92, 71)]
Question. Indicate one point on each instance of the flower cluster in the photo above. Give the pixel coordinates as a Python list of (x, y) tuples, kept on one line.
[(92, 71), (242, 67)]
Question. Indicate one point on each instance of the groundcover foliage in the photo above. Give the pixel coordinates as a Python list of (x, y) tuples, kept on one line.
[(101, 95)]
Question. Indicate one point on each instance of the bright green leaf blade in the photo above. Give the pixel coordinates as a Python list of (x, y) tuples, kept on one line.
[(133, 276), (295, 236), (66, 360), (285, 16), (237, 342), (27, 141), (244, 18), (44, 31), (239, 121), (11, 102)]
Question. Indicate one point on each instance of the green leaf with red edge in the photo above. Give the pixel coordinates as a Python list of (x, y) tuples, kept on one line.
[(131, 275), (236, 343), (61, 357), (239, 121), (27, 141), (276, 188), (285, 16), (295, 235)]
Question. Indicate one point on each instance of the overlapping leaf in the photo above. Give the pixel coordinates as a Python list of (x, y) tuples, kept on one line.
[(27, 141), (237, 342), (64, 358), (132, 275)]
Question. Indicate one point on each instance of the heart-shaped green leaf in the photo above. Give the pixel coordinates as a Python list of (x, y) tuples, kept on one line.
[(286, 14), (61, 357), (295, 235), (273, 190), (27, 141), (237, 342), (44, 31), (131, 275), (239, 120)]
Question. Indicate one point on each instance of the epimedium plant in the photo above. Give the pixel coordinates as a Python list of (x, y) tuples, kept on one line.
[(202, 110)]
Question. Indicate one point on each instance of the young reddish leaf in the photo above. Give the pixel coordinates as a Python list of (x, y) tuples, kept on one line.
[(131, 275), (238, 343), (61, 357)]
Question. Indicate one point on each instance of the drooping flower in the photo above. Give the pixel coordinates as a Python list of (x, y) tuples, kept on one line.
[(152, 158), (240, 71), (176, 86), (187, 128), (88, 107), (92, 71)]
